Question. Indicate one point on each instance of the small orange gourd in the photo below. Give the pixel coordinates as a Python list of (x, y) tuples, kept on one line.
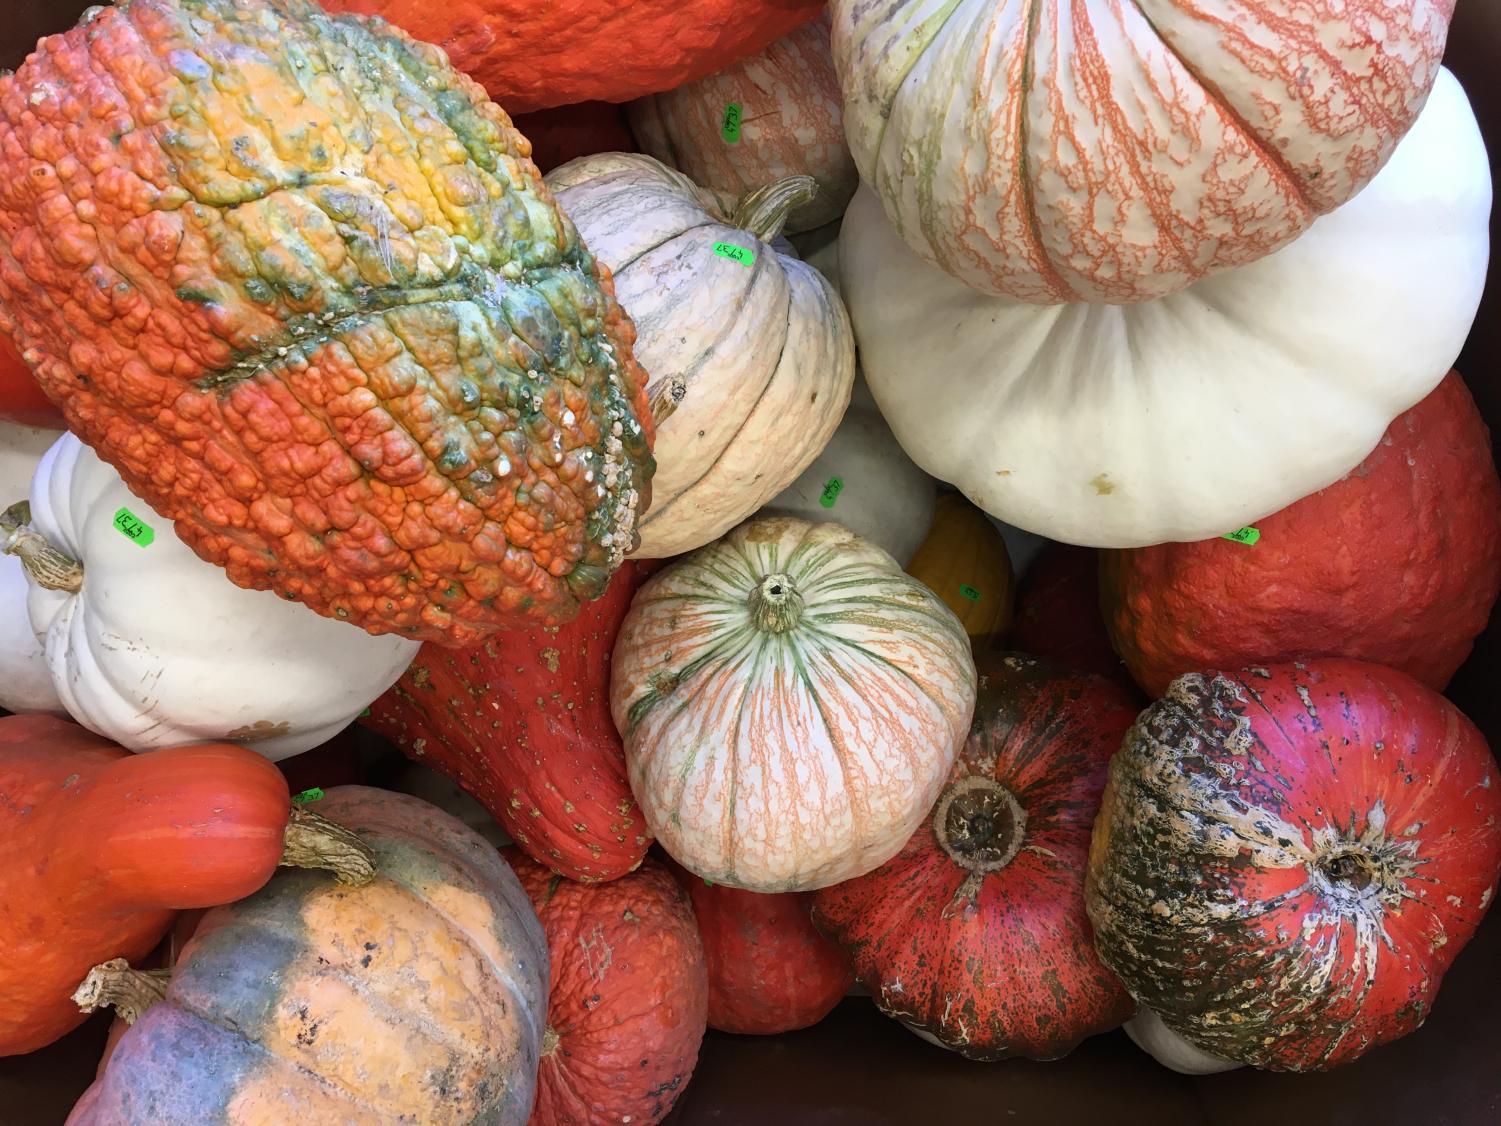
[(964, 561)]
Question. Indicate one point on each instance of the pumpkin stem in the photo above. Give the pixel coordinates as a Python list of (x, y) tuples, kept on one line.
[(45, 565), (130, 992), (664, 399), (775, 604), (981, 826), (764, 211), (313, 841)]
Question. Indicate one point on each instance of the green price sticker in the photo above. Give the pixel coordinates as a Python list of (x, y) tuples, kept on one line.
[(969, 592), (308, 795), (1247, 536), (131, 525), (364, 713), (729, 128), (831, 490), (734, 253)]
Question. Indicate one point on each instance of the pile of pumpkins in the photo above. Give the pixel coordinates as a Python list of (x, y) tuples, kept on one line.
[(328, 410)]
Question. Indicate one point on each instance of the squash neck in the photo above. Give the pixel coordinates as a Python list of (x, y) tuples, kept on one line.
[(980, 826), (775, 603), (764, 211)]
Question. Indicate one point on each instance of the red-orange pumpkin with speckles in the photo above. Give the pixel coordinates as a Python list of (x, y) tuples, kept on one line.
[(1398, 563), (1287, 859), (296, 279), (522, 722), (21, 399), (974, 936), (629, 995), (770, 970), (532, 55)]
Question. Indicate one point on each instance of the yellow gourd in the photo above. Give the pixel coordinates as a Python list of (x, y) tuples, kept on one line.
[(964, 561)]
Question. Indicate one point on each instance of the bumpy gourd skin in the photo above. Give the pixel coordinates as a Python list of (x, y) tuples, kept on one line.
[(297, 279)]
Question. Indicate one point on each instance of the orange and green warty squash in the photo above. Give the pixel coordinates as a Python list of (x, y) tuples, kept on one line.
[(296, 278)]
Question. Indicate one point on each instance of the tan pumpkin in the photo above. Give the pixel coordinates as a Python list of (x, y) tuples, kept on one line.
[(771, 115), (964, 561), (791, 704), (750, 350)]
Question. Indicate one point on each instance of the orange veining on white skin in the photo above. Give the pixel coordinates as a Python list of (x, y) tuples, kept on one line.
[(1119, 150)]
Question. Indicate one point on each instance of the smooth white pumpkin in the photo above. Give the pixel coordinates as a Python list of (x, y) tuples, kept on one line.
[(1078, 150), (791, 703), (1148, 1033), (25, 684), (1186, 417), (157, 648), (863, 481), (751, 363), (787, 105)]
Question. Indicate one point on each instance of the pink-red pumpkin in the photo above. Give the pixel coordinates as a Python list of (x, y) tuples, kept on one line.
[(974, 935), (1058, 613), (1287, 859), (629, 995), (1398, 563), (522, 722), (770, 970)]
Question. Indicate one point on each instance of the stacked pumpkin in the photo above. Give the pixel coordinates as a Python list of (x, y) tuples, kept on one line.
[(325, 403)]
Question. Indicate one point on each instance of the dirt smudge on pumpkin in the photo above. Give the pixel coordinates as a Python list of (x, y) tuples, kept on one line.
[(260, 729), (1102, 484), (550, 659)]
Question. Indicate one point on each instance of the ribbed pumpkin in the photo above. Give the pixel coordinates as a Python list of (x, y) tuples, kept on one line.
[(150, 646), (1074, 151), (21, 399), (791, 703), (569, 132), (1398, 563), (974, 935), (103, 848), (1058, 613), (628, 1000), (863, 481), (531, 56), (1288, 859), (523, 723), (963, 560), (770, 971), (750, 350), (416, 998), (294, 277), (770, 115)]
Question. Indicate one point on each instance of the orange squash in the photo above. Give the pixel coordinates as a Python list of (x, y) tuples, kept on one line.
[(105, 847), (964, 561)]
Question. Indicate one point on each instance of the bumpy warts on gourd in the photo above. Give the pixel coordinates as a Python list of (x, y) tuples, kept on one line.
[(297, 279)]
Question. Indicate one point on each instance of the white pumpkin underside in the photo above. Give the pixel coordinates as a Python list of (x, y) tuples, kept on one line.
[(759, 359), (1119, 150), (792, 760), (1186, 417)]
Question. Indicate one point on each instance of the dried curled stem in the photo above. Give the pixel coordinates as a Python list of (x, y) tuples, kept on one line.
[(130, 992), (313, 841), (45, 565)]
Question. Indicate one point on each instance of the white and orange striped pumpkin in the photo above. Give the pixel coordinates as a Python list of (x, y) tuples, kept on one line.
[(791, 703), (771, 115), (1111, 151)]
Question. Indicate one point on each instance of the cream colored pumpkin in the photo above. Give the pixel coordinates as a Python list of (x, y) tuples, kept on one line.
[(1085, 150), (784, 120), (157, 648), (863, 481), (1186, 417), (25, 684), (751, 356), (791, 703)]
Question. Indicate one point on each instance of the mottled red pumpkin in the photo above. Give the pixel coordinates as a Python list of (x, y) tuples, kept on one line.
[(522, 722), (1398, 563), (21, 397), (531, 56), (1288, 859), (568, 132), (629, 998), (294, 277), (1058, 613), (770, 970), (974, 936)]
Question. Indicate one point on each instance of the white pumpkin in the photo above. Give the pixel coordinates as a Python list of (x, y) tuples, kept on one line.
[(1148, 1033), (25, 684), (1079, 150), (791, 703), (863, 481), (1186, 417), (773, 114), (157, 648), (749, 350)]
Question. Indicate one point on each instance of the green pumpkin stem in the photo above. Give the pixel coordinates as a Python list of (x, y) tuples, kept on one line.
[(313, 841), (775, 604), (45, 565), (130, 992), (764, 211)]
